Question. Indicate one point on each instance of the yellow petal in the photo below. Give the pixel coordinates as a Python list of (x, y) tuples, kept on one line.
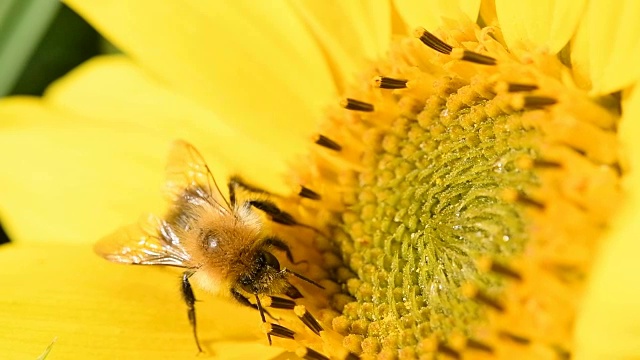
[(72, 181), (114, 90), (606, 51), (581, 57), (609, 327), (101, 310), (349, 31), (533, 24), (488, 13), (252, 63), (429, 14)]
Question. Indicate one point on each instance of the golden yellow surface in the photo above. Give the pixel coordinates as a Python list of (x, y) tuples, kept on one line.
[(176, 73), (101, 310)]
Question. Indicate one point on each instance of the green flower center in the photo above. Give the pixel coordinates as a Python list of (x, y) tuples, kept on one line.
[(429, 204), (463, 194)]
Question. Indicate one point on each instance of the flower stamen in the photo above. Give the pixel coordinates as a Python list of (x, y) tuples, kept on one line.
[(440, 46), (327, 143), (356, 105), (471, 291), (307, 193), (488, 265), (277, 330), (310, 354), (384, 82), (532, 102), (511, 87), (278, 302), (447, 350), (432, 41), (472, 56), (308, 319)]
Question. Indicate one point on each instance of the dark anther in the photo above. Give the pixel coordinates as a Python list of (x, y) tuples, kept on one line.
[(485, 299), (546, 164), (292, 292), (352, 356), (384, 82), (504, 270), (515, 87), (617, 168), (305, 192), (356, 105), (536, 102), (282, 303), (562, 353), (328, 143), (432, 41), (474, 57), (515, 338), (281, 331), (310, 354), (277, 215), (479, 346), (445, 349), (309, 320), (526, 200)]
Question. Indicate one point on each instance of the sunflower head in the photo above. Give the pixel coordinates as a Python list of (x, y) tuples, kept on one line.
[(464, 190)]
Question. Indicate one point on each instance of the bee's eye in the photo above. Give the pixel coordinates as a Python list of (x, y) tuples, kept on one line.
[(270, 260)]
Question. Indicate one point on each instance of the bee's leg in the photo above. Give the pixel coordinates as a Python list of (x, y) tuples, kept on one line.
[(190, 300), (244, 301)]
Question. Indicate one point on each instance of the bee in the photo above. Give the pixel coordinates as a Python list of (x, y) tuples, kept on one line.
[(222, 244)]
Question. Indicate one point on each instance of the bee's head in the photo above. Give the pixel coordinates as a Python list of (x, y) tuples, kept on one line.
[(266, 277)]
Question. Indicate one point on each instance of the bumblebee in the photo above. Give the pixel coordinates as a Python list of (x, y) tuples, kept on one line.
[(222, 244)]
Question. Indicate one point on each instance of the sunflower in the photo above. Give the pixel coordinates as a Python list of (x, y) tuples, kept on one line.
[(475, 191)]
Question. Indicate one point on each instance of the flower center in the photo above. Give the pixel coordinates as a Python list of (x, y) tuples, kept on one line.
[(462, 194)]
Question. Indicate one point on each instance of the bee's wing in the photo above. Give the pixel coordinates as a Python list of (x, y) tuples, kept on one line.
[(152, 241), (189, 178)]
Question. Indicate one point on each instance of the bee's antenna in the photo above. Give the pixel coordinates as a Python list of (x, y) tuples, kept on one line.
[(304, 278)]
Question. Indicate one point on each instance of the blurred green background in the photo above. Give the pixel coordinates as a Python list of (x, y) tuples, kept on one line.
[(40, 41)]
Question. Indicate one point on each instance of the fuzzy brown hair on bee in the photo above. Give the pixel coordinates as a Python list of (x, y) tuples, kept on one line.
[(224, 245)]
